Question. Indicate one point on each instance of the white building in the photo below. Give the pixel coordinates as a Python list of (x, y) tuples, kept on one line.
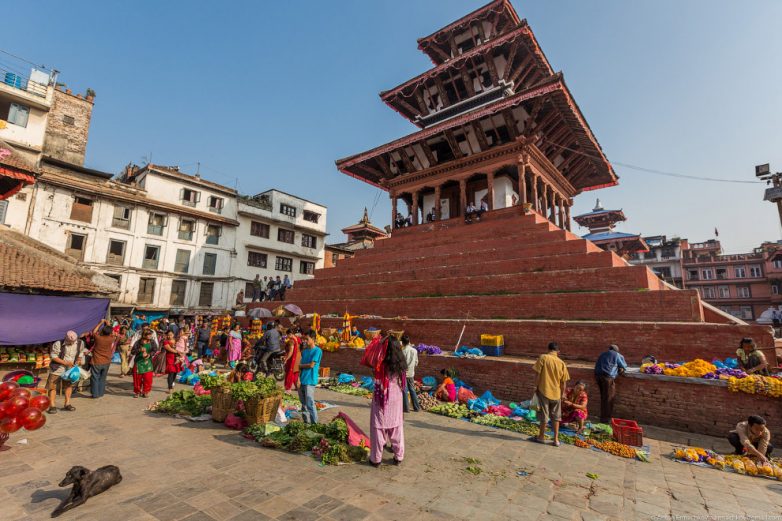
[(173, 241), (279, 234)]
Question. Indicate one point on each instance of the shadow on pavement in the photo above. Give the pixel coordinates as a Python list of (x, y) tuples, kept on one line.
[(474, 433)]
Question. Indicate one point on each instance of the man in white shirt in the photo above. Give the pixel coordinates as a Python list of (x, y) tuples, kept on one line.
[(65, 354), (140, 332), (411, 355)]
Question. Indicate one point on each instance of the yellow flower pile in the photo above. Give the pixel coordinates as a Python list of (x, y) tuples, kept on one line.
[(330, 346), (696, 369), (356, 343), (756, 384)]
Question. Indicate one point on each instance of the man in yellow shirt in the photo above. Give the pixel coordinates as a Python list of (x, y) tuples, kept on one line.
[(551, 377)]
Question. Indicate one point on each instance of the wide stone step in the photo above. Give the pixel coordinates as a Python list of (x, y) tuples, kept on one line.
[(602, 279), (666, 306), (465, 268), (580, 340), (427, 259)]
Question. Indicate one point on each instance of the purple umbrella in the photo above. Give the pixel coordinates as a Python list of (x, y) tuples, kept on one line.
[(259, 313), (293, 308)]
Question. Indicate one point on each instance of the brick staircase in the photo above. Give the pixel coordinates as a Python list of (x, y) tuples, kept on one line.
[(522, 277)]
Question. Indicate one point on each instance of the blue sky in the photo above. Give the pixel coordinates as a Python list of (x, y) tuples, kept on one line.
[(269, 94)]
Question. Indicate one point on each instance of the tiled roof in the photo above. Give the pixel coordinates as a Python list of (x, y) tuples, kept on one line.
[(29, 265), (15, 160)]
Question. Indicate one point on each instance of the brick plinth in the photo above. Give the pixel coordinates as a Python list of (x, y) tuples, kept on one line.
[(689, 407)]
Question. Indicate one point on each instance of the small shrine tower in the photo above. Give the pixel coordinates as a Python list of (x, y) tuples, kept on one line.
[(601, 224)]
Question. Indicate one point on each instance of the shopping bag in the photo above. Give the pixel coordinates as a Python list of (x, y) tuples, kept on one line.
[(534, 403), (159, 362), (375, 353)]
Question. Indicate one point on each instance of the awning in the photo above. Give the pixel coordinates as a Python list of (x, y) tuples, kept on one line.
[(12, 180), (38, 319)]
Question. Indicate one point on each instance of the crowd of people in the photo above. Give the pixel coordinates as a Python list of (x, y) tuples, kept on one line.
[(174, 345), (266, 289)]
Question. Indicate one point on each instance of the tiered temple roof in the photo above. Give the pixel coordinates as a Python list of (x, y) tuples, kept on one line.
[(491, 86)]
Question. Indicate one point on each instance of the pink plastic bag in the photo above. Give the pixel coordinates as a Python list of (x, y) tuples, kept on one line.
[(375, 353), (499, 410), (232, 421)]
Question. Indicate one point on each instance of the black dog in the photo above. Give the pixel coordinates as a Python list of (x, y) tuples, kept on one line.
[(86, 483)]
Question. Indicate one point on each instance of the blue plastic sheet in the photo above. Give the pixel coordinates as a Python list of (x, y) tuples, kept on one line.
[(476, 405), (345, 378), (489, 398), (429, 381)]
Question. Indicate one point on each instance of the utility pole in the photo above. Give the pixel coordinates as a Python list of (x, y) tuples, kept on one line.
[(773, 194)]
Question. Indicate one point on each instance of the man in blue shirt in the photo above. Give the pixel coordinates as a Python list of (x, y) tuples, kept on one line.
[(608, 366), (309, 368)]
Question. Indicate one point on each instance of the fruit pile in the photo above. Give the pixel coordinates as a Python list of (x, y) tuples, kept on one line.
[(756, 384), (427, 401), (613, 447), (739, 464), (19, 408), (356, 343)]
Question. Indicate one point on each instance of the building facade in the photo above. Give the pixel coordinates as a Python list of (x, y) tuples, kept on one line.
[(278, 234), (664, 258), (737, 284)]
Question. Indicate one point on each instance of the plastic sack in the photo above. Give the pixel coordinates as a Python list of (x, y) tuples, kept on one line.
[(116, 359), (476, 405), (367, 383), (465, 395), (83, 374), (281, 418), (345, 378), (500, 410), (489, 398), (71, 375), (518, 411), (461, 383), (731, 363), (429, 381)]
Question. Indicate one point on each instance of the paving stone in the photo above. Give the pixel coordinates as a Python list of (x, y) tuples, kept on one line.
[(299, 514), (174, 512), (199, 516), (323, 504), (349, 513), (251, 515)]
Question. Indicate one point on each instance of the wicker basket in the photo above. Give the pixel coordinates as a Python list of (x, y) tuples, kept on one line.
[(371, 334), (223, 404), (396, 334), (328, 331), (262, 410)]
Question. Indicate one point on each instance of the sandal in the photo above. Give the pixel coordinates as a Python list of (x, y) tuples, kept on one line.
[(69, 407), (376, 465), (52, 410), (556, 444), (397, 462)]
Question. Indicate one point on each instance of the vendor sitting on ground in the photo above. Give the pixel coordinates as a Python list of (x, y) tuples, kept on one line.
[(240, 373), (752, 438), (447, 390), (750, 359), (574, 406)]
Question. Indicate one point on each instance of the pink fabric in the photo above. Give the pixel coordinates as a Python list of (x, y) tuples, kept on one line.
[(379, 437), (355, 435)]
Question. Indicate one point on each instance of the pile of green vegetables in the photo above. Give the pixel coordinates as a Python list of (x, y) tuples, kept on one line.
[(211, 383), (260, 389), (454, 410), (184, 402), (326, 441), (349, 389)]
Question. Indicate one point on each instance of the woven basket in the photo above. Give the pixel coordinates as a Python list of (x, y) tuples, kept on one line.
[(370, 334), (223, 404), (396, 334), (328, 331), (262, 410)]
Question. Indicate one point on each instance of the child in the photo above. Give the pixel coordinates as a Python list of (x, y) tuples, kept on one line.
[(142, 366), (574, 406)]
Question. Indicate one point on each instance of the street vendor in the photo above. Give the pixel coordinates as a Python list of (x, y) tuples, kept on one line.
[(752, 438), (574, 405), (750, 359), (447, 389)]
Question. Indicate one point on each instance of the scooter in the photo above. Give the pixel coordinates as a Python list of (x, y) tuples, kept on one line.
[(275, 365)]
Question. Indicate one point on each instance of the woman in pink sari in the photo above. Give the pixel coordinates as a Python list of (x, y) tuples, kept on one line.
[(386, 420), (233, 345)]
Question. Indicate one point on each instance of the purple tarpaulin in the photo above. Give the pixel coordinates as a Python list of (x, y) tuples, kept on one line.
[(36, 319)]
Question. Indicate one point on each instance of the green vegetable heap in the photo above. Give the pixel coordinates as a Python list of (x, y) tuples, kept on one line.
[(259, 389), (454, 410), (327, 441), (184, 402)]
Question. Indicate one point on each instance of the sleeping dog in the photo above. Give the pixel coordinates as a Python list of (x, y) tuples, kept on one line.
[(86, 483)]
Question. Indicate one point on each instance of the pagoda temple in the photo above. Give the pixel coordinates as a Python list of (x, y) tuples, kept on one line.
[(496, 124), (601, 224)]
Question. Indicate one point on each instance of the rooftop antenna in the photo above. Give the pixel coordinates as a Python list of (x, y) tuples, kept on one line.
[(198, 169)]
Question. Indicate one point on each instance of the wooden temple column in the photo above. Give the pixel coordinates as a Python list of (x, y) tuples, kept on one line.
[(437, 209), (552, 207), (568, 204), (561, 211), (490, 188), (522, 182), (462, 196), (414, 210), (534, 179), (393, 210)]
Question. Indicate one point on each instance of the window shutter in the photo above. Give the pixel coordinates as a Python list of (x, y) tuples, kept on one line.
[(181, 194), (198, 197), (3, 210)]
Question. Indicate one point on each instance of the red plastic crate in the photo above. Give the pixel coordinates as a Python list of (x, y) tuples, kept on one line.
[(627, 432)]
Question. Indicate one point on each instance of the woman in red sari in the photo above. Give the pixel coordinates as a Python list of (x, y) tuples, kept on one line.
[(292, 357)]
